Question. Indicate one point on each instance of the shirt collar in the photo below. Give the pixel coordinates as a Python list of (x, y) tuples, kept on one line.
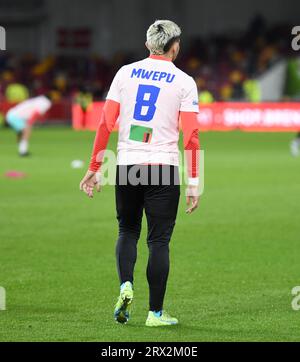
[(160, 57)]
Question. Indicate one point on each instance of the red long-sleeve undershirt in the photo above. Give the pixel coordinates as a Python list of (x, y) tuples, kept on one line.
[(189, 124), (34, 118), (109, 118)]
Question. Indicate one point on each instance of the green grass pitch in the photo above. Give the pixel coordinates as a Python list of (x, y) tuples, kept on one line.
[(233, 262)]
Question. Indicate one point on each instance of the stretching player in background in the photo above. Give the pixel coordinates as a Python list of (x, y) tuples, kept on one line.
[(295, 146), (149, 97), (22, 117)]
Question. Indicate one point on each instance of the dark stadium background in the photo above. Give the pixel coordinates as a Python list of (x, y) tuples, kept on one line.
[(71, 47), (236, 260)]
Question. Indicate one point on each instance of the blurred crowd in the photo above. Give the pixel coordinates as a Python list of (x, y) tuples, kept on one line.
[(225, 68), (61, 76)]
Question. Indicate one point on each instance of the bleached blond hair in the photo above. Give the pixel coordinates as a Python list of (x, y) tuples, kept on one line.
[(160, 33)]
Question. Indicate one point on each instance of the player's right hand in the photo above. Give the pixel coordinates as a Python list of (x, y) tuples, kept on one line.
[(90, 181)]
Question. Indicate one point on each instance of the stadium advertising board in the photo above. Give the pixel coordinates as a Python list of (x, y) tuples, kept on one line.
[(255, 117)]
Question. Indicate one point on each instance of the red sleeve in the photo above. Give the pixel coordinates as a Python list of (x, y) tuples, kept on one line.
[(34, 117), (191, 142), (109, 116)]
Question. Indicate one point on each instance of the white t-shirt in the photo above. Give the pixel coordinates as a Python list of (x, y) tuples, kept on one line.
[(151, 93), (26, 109)]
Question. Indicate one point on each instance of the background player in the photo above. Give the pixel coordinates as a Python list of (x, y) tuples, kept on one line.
[(295, 145), (23, 116), (148, 97)]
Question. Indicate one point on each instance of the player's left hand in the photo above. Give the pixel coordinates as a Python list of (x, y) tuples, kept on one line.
[(192, 198), (90, 181)]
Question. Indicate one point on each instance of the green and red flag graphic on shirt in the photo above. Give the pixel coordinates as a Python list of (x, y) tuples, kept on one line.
[(140, 133)]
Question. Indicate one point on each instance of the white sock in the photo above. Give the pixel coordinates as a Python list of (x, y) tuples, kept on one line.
[(294, 147), (23, 147)]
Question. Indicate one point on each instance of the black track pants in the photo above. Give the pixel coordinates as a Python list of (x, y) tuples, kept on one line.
[(159, 197)]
